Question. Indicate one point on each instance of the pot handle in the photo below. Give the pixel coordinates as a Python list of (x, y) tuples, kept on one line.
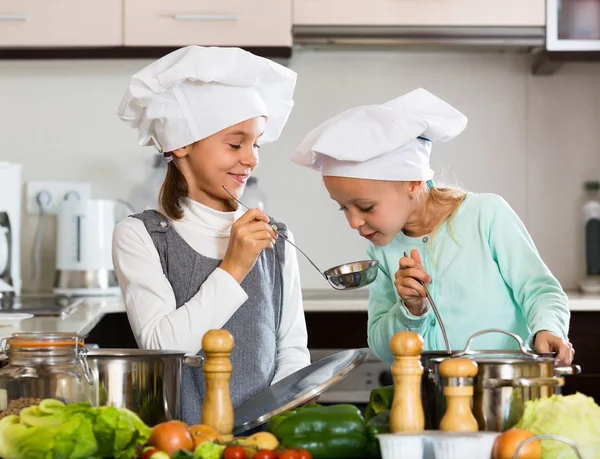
[(570, 370), (517, 338), (193, 361), (494, 383), (560, 438)]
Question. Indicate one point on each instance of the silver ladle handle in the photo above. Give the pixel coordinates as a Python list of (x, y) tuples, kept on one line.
[(298, 249), (278, 232), (436, 312)]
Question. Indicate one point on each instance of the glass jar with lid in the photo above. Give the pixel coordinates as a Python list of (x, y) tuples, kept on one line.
[(46, 365)]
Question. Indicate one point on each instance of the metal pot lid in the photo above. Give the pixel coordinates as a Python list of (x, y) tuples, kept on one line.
[(297, 388), (499, 359), (522, 354), (123, 353), (492, 356)]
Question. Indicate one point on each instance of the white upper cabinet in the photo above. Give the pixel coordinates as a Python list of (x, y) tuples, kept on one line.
[(60, 23), (208, 22)]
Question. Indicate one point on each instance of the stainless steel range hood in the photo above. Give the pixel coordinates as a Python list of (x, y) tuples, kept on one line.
[(518, 39), (524, 40)]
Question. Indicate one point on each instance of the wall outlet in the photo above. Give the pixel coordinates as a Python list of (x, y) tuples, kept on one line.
[(58, 191)]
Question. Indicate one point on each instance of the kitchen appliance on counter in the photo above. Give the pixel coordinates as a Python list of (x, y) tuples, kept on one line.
[(10, 230), (357, 386), (84, 264)]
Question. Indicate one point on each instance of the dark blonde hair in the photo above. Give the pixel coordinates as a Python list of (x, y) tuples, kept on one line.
[(446, 196), (173, 192)]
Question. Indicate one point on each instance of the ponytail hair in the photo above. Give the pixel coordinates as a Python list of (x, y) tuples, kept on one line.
[(173, 193)]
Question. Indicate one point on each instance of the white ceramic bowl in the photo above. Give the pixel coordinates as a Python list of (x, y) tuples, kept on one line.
[(405, 446), (451, 445), (437, 444)]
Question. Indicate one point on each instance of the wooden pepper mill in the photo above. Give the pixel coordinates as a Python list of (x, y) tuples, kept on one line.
[(459, 394), (407, 414), (217, 408)]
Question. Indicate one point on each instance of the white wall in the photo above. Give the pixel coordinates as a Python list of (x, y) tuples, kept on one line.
[(533, 140)]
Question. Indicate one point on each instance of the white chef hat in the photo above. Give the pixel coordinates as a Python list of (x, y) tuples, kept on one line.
[(382, 142), (195, 92)]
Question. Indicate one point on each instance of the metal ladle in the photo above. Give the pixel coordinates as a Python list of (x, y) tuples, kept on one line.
[(343, 277), (435, 311)]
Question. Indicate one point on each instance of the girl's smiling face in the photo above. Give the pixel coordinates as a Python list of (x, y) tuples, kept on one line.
[(226, 158), (377, 209)]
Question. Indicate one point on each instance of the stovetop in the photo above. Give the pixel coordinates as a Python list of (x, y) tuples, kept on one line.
[(41, 306)]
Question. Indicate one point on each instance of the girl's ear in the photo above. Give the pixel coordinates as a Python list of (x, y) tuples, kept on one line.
[(415, 189), (183, 151)]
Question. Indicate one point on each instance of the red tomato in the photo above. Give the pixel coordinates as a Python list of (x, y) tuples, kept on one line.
[(234, 452), (303, 454), (265, 454), (288, 454)]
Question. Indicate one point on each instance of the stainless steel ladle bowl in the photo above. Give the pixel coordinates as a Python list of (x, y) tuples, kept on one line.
[(352, 275), (348, 276)]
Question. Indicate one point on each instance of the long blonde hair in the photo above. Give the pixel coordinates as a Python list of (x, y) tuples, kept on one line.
[(445, 196)]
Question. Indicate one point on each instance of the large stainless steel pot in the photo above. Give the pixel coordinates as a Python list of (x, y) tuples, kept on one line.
[(145, 381), (506, 379)]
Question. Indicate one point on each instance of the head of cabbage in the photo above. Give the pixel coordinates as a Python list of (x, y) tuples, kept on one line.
[(576, 417)]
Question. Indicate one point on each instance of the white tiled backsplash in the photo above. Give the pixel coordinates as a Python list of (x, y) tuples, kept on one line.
[(533, 140)]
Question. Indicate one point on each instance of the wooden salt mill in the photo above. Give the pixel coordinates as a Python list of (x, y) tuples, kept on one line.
[(459, 394), (217, 408), (407, 414)]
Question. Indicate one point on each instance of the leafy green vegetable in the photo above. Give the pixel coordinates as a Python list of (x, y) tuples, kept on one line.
[(19, 441), (209, 450), (75, 438), (576, 417), (380, 400), (182, 454), (53, 430), (105, 429)]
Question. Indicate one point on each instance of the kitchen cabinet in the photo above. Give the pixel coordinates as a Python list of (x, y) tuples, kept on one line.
[(69, 23), (209, 23), (324, 332), (113, 331), (584, 336), (504, 13)]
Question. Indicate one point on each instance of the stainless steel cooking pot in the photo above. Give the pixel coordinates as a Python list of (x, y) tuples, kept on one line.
[(145, 381), (506, 379)]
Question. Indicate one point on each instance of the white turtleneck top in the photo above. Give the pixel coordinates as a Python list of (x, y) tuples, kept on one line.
[(150, 301)]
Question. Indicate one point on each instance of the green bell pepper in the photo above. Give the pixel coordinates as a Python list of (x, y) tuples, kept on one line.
[(380, 400), (276, 420), (336, 431), (379, 424)]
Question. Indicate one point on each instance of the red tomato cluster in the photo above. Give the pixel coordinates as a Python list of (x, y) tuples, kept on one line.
[(237, 452)]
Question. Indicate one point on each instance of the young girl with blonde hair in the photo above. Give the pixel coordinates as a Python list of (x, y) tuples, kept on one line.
[(471, 250)]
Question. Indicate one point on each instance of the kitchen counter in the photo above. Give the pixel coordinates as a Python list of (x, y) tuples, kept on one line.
[(89, 313), (82, 320), (357, 300)]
